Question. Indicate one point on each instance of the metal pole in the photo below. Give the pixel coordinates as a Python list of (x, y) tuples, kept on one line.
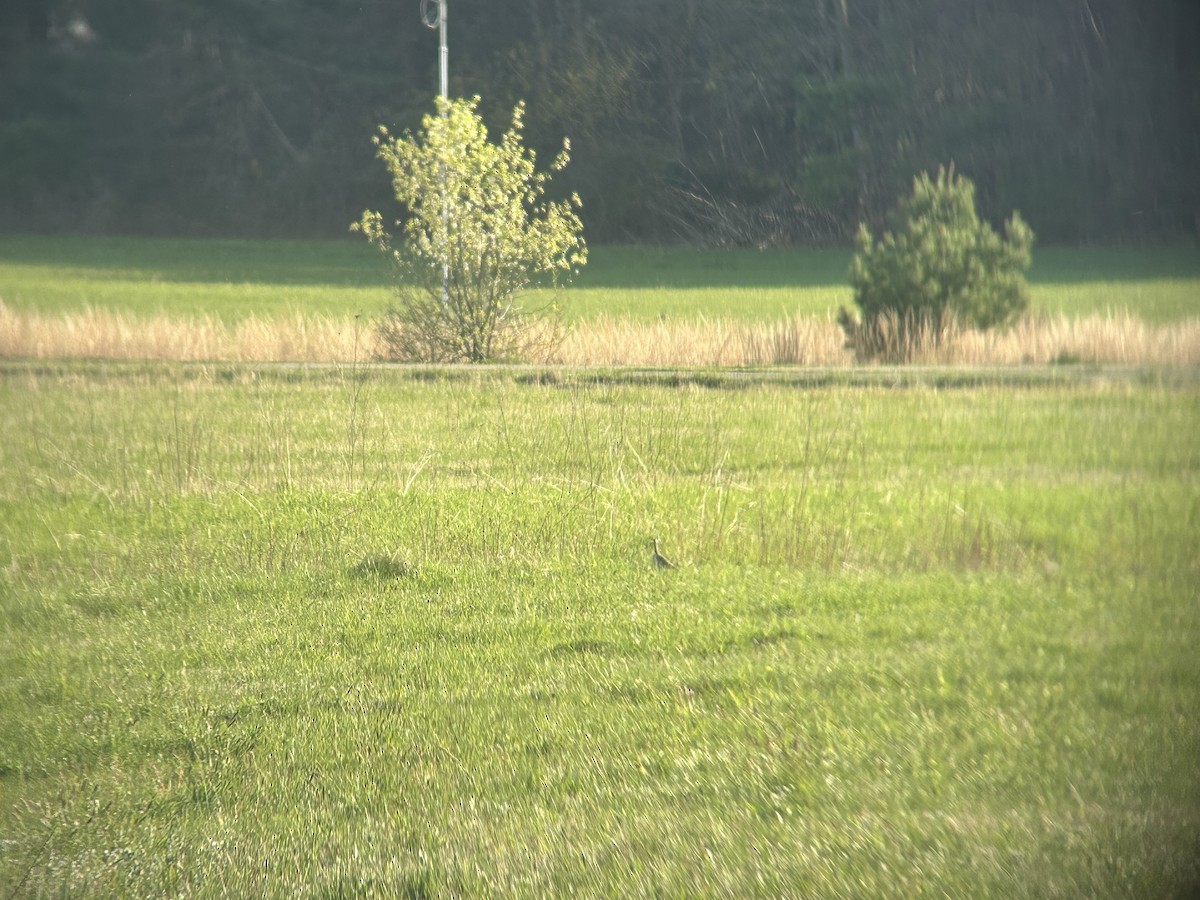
[(444, 90), (443, 52), (444, 86)]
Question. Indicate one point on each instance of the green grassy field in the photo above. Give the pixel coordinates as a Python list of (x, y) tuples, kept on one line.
[(233, 279), (331, 632)]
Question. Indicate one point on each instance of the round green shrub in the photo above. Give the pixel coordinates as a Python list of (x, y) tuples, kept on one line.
[(939, 266)]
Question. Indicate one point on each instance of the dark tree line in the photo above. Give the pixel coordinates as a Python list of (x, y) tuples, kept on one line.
[(711, 121)]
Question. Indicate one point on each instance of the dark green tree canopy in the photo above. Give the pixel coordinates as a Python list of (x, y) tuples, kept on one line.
[(713, 121)]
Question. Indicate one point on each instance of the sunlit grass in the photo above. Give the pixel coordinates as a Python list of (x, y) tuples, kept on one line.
[(237, 279), (339, 631)]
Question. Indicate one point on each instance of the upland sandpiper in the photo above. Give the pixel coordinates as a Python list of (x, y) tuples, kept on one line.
[(660, 561)]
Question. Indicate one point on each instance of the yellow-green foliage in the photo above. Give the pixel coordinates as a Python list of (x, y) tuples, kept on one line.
[(478, 232)]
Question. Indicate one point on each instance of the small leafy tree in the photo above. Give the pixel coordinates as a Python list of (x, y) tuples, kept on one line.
[(478, 232), (938, 267)]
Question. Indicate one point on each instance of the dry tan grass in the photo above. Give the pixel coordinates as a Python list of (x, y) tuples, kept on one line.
[(809, 341), (103, 334), (1108, 338), (802, 340)]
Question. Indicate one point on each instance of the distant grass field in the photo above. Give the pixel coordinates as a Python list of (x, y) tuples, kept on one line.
[(236, 279), (334, 632)]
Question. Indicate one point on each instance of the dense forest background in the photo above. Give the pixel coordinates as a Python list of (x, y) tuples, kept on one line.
[(720, 122)]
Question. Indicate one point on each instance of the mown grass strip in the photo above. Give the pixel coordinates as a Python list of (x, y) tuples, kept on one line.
[(319, 631), (234, 279)]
